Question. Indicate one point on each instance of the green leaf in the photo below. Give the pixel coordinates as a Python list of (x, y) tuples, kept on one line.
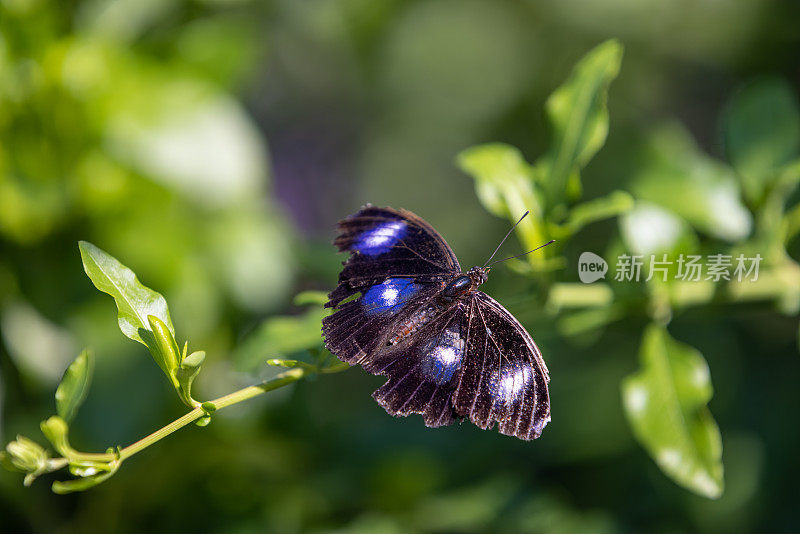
[(203, 421), (683, 179), (74, 386), (25, 455), (579, 116), (504, 186), (55, 429), (650, 229), (762, 132), (134, 300), (62, 487), (665, 403), (88, 468), (281, 337), (310, 297), (187, 372), (588, 320), (167, 355), (614, 204)]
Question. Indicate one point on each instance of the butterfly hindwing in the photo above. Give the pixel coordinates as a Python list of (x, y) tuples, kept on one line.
[(423, 369), (383, 243), (504, 378)]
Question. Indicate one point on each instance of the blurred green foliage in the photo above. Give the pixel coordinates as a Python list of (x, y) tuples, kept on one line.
[(134, 303), (142, 127)]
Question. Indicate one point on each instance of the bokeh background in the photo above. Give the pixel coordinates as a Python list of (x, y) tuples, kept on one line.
[(211, 145)]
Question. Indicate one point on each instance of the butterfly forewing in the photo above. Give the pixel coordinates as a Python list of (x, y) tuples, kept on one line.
[(397, 262), (361, 328), (384, 243), (504, 378)]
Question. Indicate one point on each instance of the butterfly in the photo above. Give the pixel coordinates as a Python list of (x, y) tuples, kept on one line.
[(404, 309)]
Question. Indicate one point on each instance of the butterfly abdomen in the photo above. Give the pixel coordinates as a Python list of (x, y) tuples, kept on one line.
[(414, 323)]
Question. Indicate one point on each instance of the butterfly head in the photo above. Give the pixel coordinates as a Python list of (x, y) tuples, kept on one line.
[(463, 284), (479, 275)]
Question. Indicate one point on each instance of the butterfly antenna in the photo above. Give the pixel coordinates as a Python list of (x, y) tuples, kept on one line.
[(524, 253), (504, 239)]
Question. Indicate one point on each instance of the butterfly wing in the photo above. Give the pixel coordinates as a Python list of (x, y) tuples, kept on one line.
[(383, 243), (423, 370), (397, 262), (362, 327), (503, 378)]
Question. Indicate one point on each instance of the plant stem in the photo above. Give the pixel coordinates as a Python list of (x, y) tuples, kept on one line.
[(161, 433), (283, 379)]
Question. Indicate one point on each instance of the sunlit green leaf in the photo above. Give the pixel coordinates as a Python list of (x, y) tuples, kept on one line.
[(588, 320), (88, 468), (310, 297), (279, 337), (74, 386), (614, 204), (82, 484), (187, 372), (703, 191), (762, 132), (665, 402), (574, 295), (55, 429), (167, 355), (649, 229), (134, 300), (578, 113), (505, 188), (203, 421), (25, 455)]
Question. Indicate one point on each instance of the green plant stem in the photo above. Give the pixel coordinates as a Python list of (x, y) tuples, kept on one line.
[(161, 433), (283, 379)]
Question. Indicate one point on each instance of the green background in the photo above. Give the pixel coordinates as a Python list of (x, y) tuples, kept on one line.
[(211, 146)]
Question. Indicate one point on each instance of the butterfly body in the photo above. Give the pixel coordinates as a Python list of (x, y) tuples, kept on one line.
[(404, 310)]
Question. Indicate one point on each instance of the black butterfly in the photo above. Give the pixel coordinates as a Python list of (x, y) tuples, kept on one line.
[(405, 310)]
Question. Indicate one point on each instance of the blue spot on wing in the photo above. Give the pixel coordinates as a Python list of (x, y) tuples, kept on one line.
[(389, 295), (442, 357), (381, 238)]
